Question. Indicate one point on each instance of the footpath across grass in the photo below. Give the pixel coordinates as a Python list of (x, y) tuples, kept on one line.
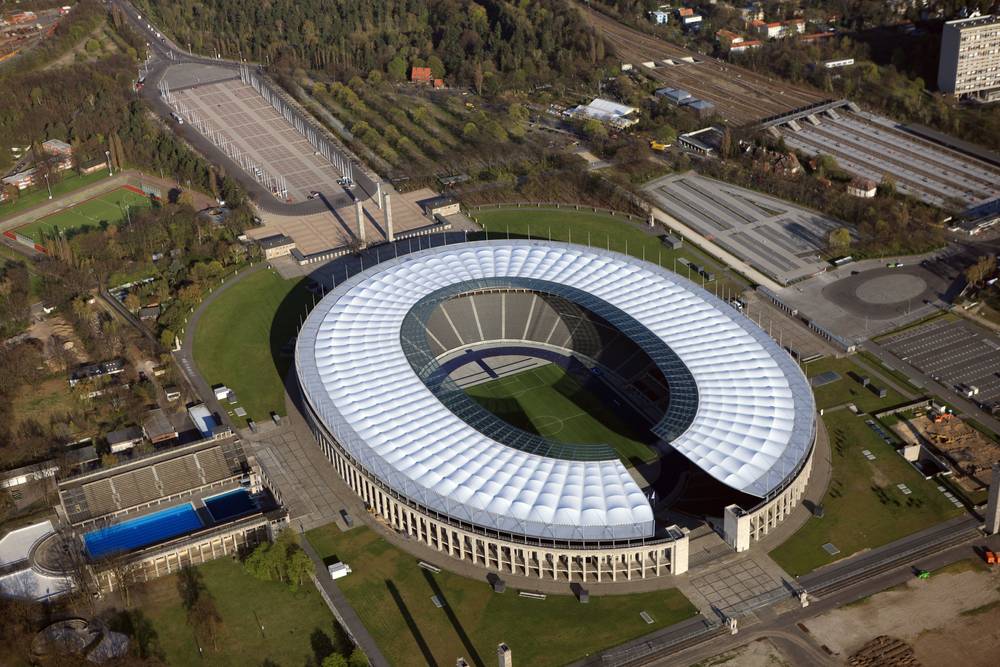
[(863, 508), (392, 595), (554, 404), (243, 339), (292, 621), (602, 230), (41, 195), (100, 211)]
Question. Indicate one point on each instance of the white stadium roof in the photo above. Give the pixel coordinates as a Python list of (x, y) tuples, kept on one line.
[(752, 430)]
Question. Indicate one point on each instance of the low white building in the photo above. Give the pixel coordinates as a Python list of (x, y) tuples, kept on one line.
[(862, 187), (606, 111), (338, 570)]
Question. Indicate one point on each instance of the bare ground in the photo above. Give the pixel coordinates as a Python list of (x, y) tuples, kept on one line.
[(927, 614)]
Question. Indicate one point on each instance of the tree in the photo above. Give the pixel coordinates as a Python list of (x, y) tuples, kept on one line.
[(300, 566), (982, 269), (477, 77), (132, 302), (358, 658), (840, 239), (335, 660)]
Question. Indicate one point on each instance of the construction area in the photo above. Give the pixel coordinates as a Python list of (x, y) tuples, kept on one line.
[(969, 453), (740, 96), (953, 352), (783, 241), (873, 147)]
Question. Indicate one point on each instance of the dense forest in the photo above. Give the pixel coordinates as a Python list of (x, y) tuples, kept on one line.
[(517, 45)]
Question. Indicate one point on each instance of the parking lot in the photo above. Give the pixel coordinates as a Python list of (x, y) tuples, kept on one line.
[(244, 118), (871, 146), (953, 352), (780, 239)]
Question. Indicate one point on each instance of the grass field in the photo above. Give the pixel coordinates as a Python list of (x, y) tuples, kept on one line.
[(863, 508), (554, 404), (847, 389), (239, 339), (602, 231), (290, 620), (392, 595), (105, 209), (41, 195)]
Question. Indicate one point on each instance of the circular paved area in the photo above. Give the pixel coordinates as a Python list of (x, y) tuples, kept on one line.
[(892, 288), (885, 293)]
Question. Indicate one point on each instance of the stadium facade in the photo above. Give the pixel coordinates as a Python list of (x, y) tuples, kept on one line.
[(376, 362)]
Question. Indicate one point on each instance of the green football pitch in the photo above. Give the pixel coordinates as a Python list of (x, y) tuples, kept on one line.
[(551, 403), (106, 209)]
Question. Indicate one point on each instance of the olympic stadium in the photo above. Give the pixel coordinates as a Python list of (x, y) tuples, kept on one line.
[(414, 375)]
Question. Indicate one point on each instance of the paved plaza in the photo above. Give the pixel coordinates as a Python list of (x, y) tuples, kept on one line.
[(243, 117), (780, 239), (739, 582), (953, 352), (872, 146), (864, 299)]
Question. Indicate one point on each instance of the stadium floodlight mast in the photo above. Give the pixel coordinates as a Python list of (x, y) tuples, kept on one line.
[(46, 175), (111, 171)]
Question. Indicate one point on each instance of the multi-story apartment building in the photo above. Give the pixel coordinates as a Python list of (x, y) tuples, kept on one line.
[(970, 58)]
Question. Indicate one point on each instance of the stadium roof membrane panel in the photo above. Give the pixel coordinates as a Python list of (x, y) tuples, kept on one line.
[(752, 430)]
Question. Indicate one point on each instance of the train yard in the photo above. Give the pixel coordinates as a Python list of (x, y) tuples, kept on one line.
[(740, 96), (872, 147)]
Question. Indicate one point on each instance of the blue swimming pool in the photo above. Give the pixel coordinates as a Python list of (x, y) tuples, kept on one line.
[(229, 505), (142, 531)]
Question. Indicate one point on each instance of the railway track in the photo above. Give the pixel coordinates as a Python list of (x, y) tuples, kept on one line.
[(948, 541), (861, 168), (746, 95), (858, 144), (938, 149)]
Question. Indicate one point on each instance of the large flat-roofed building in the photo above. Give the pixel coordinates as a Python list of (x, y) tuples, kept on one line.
[(970, 58), (378, 358)]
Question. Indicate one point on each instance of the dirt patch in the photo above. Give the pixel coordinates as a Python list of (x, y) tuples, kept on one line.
[(60, 342), (968, 451), (919, 609), (761, 653)]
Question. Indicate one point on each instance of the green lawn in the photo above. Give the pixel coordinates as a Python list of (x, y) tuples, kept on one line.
[(41, 195), (554, 404), (863, 507), (392, 595), (290, 619), (105, 209), (847, 389), (602, 231), (240, 339)]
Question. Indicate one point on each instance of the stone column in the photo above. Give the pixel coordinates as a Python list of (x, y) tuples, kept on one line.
[(992, 526), (360, 210), (389, 235)]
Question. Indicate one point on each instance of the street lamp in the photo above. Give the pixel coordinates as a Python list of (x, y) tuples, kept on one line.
[(108, 155), (47, 185)]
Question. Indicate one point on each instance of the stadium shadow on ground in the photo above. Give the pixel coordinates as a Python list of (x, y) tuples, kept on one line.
[(284, 325)]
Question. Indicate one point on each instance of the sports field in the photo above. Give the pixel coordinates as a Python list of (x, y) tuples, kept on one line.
[(553, 404), (106, 209), (242, 339)]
